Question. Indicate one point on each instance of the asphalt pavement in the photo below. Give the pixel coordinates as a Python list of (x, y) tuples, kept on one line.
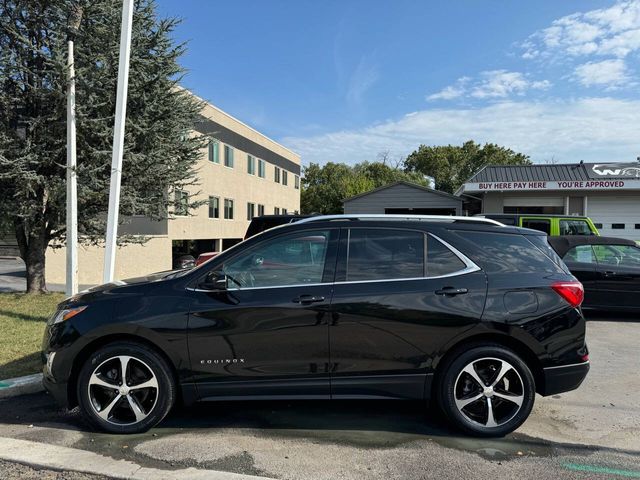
[(593, 432)]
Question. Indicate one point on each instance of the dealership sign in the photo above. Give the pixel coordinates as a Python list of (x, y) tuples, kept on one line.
[(631, 184)]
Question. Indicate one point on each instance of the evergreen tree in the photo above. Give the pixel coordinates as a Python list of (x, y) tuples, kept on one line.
[(159, 153)]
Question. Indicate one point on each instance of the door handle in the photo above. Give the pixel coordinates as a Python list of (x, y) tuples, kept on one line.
[(609, 274), (306, 299), (452, 291)]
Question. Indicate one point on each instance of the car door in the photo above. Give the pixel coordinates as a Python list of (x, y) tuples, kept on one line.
[(266, 333), (392, 311), (618, 272), (582, 263)]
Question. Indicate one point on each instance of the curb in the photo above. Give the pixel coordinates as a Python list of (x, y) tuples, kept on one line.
[(13, 387), (52, 457)]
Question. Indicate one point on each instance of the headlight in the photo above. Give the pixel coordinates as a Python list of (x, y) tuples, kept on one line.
[(65, 314)]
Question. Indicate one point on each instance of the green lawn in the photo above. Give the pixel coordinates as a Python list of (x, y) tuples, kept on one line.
[(22, 322)]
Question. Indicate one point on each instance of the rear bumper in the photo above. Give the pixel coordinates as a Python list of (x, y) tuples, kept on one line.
[(564, 378)]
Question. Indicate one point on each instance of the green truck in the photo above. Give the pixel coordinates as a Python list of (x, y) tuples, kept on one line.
[(553, 225)]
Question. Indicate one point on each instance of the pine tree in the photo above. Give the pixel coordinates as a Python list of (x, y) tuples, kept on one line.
[(159, 154)]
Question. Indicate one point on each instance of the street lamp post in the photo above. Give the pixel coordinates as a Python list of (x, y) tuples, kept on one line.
[(118, 142), (72, 185)]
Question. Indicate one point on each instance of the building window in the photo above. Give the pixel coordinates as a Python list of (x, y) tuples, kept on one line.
[(618, 226), (276, 211), (182, 203), (296, 212), (251, 165), (261, 168), (276, 174), (228, 209), (251, 210), (260, 210), (285, 180), (637, 226), (284, 211), (214, 207), (597, 225), (296, 182), (214, 151), (228, 156)]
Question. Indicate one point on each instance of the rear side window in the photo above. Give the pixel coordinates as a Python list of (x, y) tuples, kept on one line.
[(580, 254), (507, 253), (441, 260), (537, 224), (384, 254), (542, 243)]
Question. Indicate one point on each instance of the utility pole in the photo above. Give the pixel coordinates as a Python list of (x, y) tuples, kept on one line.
[(72, 183), (118, 141)]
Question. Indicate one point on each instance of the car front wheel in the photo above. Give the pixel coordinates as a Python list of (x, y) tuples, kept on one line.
[(125, 388), (487, 390)]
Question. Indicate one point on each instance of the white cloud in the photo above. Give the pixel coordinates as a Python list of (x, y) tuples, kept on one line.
[(590, 129), (501, 84), (365, 75), (608, 73), (611, 31), (491, 84)]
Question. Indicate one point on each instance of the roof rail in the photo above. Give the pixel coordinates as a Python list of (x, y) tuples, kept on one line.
[(430, 218)]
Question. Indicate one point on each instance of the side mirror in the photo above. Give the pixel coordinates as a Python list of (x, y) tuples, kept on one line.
[(215, 282)]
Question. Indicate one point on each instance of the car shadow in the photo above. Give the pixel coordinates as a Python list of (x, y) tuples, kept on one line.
[(368, 424), (607, 316)]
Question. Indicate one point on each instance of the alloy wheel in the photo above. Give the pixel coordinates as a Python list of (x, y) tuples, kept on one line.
[(123, 390), (489, 392)]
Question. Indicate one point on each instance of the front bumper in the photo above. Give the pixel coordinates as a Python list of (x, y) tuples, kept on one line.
[(58, 390), (564, 378)]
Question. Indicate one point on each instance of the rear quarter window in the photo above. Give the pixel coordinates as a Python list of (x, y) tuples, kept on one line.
[(507, 253)]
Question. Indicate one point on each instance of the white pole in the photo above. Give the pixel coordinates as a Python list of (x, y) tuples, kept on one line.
[(118, 141), (72, 186)]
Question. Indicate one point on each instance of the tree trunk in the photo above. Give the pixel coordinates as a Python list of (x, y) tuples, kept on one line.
[(33, 247)]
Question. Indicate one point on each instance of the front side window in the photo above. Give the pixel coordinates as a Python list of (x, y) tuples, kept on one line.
[(618, 255), (251, 210), (296, 259), (214, 207), (276, 174), (580, 254), (251, 165), (261, 169), (182, 202), (441, 260), (228, 156), (574, 227), (384, 254), (228, 209)]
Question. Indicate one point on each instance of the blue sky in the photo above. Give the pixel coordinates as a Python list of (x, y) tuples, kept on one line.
[(346, 80)]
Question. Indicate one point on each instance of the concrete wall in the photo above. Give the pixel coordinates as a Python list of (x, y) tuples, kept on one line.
[(400, 196), (131, 261)]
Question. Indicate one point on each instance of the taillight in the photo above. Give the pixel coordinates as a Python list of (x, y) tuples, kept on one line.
[(572, 292)]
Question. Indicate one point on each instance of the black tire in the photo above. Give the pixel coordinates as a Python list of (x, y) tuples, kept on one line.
[(154, 407), (455, 383)]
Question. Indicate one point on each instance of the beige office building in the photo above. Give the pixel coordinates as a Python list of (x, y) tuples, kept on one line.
[(241, 174)]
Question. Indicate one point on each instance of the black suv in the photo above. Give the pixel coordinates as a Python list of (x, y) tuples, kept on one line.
[(473, 315)]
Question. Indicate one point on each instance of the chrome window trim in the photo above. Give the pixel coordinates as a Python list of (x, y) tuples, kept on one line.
[(470, 267)]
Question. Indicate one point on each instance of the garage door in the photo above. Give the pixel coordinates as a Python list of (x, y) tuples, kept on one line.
[(619, 215)]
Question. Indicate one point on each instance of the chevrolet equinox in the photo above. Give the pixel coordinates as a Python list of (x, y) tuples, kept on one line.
[(466, 312)]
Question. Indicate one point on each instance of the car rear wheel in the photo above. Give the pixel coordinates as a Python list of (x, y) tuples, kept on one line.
[(487, 390), (125, 388)]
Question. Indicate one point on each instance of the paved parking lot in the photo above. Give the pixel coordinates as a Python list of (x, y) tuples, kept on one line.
[(593, 432)]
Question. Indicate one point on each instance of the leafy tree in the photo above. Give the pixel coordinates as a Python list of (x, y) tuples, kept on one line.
[(325, 187), (451, 165), (158, 154)]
